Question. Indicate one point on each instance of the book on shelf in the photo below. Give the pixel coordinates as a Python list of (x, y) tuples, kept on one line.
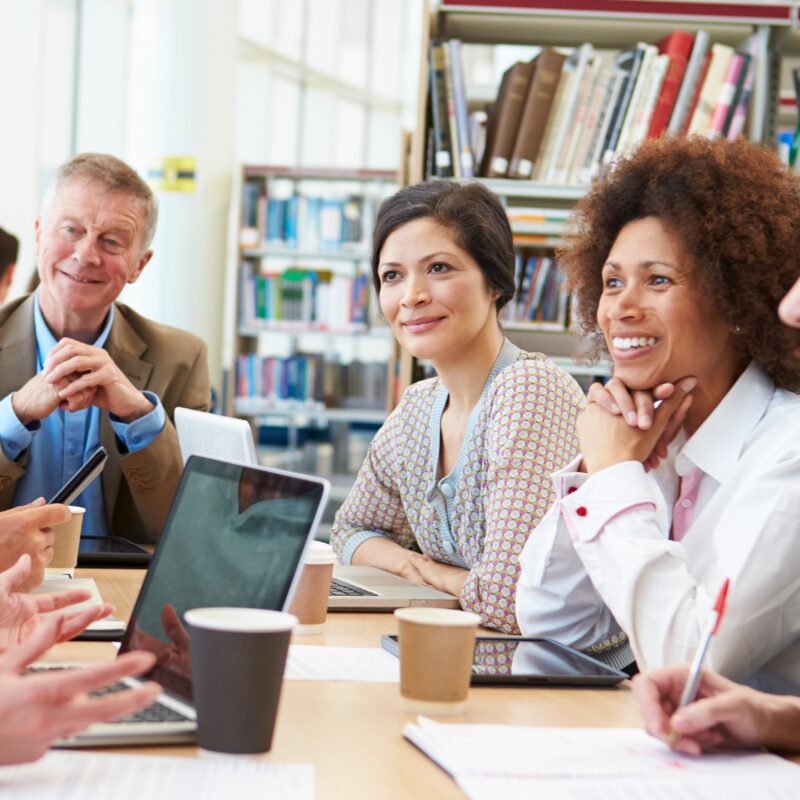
[(727, 95), (690, 83), (283, 218), (630, 62), (464, 158), (721, 56), (307, 381), (742, 100), (538, 101), (587, 124), (300, 298), (504, 119), (577, 122), (442, 149), (651, 89), (677, 46), (541, 298), (565, 115), (584, 60)]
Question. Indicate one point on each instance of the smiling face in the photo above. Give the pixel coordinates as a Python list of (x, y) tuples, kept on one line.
[(433, 293), (657, 323), (88, 246)]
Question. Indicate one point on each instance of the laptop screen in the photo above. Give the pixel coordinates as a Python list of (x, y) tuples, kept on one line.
[(234, 537)]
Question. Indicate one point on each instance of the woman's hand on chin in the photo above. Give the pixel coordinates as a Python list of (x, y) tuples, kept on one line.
[(623, 425)]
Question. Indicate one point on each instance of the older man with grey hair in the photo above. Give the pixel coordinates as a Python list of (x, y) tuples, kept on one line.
[(78, 369)]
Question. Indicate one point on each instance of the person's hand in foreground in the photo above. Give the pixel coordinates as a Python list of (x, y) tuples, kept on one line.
[(37, 709), (29, 529), (21, 613), (724, 715)]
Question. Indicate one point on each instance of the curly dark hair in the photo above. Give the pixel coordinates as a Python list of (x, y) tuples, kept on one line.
[(736, 209), (475, 216)]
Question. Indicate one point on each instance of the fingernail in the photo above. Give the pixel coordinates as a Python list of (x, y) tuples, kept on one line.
[(614, 408), (645, 421), (632, 418), (687, 384)]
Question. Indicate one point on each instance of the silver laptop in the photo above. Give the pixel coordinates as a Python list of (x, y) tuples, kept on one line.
[(353, 588), (235, 536), (214, 436), (357, 588)]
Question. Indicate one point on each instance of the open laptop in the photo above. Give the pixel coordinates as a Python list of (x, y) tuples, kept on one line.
[(235, 536), (215, 436), (353, 588)]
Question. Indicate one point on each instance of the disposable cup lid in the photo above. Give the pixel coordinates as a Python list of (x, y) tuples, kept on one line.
[(320, 553), (438, 616), (240, 620)]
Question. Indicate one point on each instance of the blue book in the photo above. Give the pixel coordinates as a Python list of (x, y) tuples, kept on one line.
[(275, 214), (290, 221)]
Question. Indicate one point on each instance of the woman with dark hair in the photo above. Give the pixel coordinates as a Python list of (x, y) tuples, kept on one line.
[(458, 476), (678, 261)]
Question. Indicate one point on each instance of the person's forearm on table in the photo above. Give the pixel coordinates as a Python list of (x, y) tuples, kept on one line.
[(386, 554)]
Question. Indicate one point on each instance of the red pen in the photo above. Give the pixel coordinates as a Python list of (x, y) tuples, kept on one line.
[(692, 684)]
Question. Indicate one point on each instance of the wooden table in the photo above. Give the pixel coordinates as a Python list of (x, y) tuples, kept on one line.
[(352, 732)]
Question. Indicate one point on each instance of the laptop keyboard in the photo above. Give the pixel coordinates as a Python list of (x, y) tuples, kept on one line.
[(344, 589), (156, 712)]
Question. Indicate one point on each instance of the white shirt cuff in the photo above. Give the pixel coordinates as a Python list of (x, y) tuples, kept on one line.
[(588, 507)]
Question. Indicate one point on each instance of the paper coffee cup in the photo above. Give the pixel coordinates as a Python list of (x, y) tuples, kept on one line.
[(67, 541), (238, 660), (310, 601), (436, 652)]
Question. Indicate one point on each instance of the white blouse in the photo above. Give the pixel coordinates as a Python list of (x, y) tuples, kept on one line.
[(601, 561)]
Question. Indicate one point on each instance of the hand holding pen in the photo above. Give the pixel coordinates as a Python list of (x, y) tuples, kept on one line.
[(696, 670), (666, 696)]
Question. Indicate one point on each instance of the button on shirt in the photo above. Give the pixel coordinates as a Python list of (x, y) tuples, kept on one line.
[(586, 576), (60, 443)]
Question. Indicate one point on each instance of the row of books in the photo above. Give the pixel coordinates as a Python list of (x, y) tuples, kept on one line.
[(310, 378), (541, 296), (564, 115), (303, 298), (301, 221)]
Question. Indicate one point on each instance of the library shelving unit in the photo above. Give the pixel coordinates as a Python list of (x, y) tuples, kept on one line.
[(609, 25), (305, 345)]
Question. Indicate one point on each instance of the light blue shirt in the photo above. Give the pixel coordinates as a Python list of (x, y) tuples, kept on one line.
[(61, 442)]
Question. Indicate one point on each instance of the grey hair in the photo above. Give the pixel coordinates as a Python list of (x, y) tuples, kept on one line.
[(116, 176)]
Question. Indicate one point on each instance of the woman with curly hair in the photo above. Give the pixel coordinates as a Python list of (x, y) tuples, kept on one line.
[(459, 475), (679, 260)]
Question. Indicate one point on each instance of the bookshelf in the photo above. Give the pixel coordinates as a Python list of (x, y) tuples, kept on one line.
[(305, 344), (539, 203)]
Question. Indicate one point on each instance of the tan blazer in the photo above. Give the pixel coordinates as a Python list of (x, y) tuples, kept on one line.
[(169, 362)]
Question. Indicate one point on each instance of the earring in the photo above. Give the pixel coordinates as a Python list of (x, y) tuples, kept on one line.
[(737, 328)]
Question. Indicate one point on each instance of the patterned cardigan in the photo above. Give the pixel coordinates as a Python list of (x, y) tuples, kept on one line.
[(500, 488)]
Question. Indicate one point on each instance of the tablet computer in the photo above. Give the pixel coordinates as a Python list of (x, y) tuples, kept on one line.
[(516, 661), (111, 551)]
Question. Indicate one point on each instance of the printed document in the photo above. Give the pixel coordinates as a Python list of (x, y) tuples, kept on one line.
[(69, 775), (319, 663), (491, 761)]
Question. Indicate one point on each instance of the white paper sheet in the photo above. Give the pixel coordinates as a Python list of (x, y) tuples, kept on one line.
[(318, 663), (97, 776), (60, 583), (514, 761)]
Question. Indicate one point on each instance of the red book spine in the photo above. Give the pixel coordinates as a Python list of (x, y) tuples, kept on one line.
[(678, 46)]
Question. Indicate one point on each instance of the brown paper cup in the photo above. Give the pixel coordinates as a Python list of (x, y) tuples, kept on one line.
[(67, 539), (436, 652), (310, 602)]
